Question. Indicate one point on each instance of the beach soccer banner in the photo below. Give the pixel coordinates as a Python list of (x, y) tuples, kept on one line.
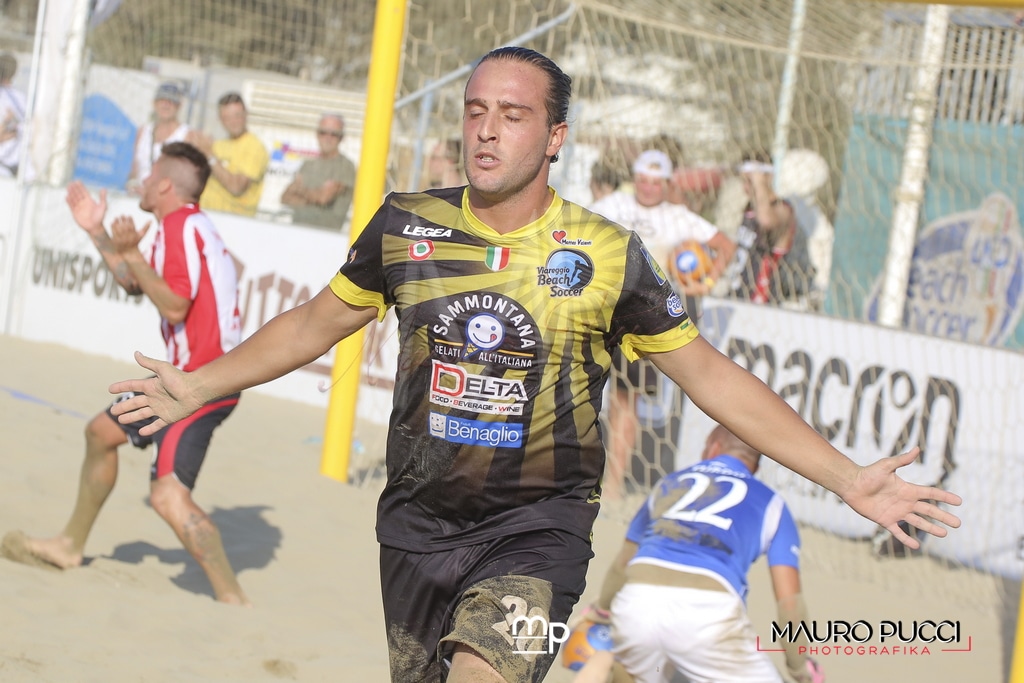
[(967, 272)]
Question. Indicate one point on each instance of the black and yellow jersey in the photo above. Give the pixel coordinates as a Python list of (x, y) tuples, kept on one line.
[(505, 346)]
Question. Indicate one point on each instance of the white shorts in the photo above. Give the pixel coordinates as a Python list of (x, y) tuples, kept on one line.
[(704, 634)]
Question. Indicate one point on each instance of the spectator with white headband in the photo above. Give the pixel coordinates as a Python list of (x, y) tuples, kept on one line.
[(772, 264)]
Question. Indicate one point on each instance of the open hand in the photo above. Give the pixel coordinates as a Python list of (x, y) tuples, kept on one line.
[(879, 494), (169, 396), (86, 211), (124, 235)]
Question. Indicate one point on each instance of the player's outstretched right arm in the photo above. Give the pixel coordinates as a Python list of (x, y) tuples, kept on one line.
[(289, 341)]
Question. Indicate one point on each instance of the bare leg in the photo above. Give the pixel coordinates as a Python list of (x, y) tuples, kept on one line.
[(96, 481), (469, 667), (622, 424), (199, 535), (620, 675)]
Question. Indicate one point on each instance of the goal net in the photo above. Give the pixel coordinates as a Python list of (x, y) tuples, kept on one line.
[(838, 93)]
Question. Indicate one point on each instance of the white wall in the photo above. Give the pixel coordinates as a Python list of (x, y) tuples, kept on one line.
[(64, 294), (866, 387)]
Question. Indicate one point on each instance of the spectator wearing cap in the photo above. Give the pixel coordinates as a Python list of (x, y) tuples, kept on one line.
[(662, 226), (237, 163), (164, 128), (321, 193)]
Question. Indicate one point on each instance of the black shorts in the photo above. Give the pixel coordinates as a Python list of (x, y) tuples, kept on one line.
[(180, 448), (506, 599)]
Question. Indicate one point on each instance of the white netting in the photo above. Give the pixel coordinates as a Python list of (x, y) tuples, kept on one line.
[(703, 80)]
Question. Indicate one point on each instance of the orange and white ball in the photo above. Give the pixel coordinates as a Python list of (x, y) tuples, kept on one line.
[(587, 638), (691, 262)]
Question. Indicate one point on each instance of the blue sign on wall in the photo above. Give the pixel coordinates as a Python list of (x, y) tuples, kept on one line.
[(106, 144), (967, 277)]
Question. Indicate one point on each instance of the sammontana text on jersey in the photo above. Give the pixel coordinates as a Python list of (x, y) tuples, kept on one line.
[(505, 345)]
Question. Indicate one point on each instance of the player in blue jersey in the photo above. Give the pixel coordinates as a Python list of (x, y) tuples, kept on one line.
[(510, 303), (677, 590)]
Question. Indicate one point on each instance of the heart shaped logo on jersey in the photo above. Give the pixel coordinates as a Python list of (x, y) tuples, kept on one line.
[(559, 235)]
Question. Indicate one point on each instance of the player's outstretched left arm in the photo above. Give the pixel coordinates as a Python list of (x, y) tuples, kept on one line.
[(746, 406)]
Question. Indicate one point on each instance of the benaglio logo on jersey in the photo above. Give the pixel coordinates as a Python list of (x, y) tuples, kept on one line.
[(485, 328), (476, 432), (453, 386), (421, 251), (567, 272)]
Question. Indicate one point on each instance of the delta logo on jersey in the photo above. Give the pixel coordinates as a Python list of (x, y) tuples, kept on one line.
[(454, 387)]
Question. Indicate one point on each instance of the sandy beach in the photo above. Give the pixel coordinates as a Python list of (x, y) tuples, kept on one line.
[(304, 549)]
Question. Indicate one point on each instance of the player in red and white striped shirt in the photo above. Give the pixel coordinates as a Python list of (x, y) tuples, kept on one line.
[(191, 278)]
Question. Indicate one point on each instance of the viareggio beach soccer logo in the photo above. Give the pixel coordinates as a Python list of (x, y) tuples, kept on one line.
[(862, 638)]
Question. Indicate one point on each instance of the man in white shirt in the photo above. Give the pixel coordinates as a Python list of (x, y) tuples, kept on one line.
[(662, 226)]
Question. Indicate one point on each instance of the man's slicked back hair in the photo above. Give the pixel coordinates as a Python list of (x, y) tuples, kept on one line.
[(556, 100)]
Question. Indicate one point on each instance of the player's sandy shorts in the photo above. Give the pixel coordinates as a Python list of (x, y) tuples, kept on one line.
[(474, 596), (704, 634)]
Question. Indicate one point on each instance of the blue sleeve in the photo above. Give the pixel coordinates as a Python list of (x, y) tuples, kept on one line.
[(641, 520), (785, 546)]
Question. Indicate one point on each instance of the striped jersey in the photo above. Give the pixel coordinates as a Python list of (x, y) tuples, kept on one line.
[(714, 518), (505, 345), (190, 256)]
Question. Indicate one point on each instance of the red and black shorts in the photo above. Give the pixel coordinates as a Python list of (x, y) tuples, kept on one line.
[(180, 448), (506, 599)]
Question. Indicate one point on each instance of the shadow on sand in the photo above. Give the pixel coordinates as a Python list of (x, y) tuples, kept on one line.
[(249, 541)]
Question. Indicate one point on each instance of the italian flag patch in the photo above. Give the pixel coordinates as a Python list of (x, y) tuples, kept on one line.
[(497, 257)]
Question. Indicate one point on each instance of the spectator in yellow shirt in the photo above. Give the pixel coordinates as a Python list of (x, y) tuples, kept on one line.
[(237, 163)]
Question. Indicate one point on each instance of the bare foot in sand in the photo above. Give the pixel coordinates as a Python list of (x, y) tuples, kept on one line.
[(234, 599), (48, 553)]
